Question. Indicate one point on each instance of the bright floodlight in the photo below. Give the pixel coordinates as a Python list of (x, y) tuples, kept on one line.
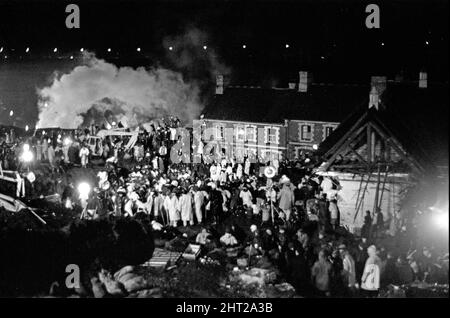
[(287, 46), (244, 46), (26, 128), (67, 141), (109, 49), (205, 47), (81, 50), (27, 156), (55, 50), (84, 188), (440, 219), (170, 48), (138, 49), (315, 147), (27, 50), (11, 113), (1, 49), (26, 147), (71, 57)]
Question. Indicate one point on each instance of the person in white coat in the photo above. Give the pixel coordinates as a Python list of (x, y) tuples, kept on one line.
[(370, 281), (199, 199), (185, 206), (84, 155), (171, 206)]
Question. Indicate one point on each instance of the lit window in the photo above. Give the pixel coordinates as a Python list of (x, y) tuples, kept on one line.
[(327, 130), (250, 132), (240, 133), (220, 132), (306, 132)]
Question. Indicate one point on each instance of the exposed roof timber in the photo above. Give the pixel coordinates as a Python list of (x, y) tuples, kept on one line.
[(333, 149), (394, 143), (346, 143)]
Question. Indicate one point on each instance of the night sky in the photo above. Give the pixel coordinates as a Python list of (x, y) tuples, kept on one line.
[(327, 37)]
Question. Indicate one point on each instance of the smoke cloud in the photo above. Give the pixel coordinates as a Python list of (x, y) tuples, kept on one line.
[(99, 91), (134, 95)]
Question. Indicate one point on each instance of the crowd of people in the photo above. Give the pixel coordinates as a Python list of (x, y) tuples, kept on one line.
[(289, 219)]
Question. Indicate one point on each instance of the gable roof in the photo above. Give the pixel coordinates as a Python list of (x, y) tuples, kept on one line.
[(411, 115), (329, 103)]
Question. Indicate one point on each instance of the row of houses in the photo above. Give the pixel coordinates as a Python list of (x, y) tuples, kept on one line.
[(284, 122)]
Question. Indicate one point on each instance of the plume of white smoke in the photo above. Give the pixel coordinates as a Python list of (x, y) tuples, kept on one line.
[(193, 53), (135, 95)]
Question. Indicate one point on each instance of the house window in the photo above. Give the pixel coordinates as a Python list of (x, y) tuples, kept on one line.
[(306, 132), (272, 135), (327, 130), (240, 133), (250, 132), (220, 132)]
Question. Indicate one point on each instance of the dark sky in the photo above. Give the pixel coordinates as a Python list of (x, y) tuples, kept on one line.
[(329, 37)]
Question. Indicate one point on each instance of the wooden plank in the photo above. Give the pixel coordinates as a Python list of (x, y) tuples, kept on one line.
[(369, 143), (344, 146), (397, 147), (332, 150)]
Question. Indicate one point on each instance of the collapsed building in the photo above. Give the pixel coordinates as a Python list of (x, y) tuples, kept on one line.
[(379, 155)]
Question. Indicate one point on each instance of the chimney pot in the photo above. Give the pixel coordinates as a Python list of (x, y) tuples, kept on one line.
[(423, 79), (219, 85), (304, 81)]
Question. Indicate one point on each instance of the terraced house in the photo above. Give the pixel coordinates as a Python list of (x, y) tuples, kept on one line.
[(276, 123)]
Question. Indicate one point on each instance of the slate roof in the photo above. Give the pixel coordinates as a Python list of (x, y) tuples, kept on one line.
[(330, 103)]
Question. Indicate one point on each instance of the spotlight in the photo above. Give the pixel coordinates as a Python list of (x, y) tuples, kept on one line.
[(27, 50), (170, 48), (55, 50), (11, 113), (109, 49), (84, 189), (315, 147), (71, 57), (82, 50), (138, 49), (26, 128), (26, 147), (287, 46), (205, 47), (67, 141), (1, 49), (244, 46), (440, 219)]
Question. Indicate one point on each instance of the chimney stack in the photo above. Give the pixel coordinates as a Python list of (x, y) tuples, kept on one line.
[(219, 85), (423, 79), (304, 81), (374, 98), (378, 86)]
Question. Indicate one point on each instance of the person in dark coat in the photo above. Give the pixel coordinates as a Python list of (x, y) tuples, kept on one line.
[(216, 205), (298, 270), (367, 226)]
